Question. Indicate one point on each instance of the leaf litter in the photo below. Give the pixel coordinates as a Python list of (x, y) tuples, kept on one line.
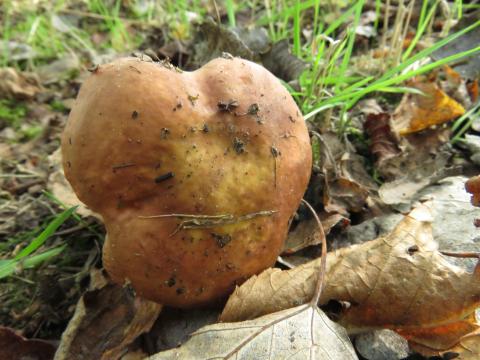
[(107, 318), (399, 281), (412, 148)]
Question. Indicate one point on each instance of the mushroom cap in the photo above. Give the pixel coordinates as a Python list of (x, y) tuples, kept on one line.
[(221, 156)]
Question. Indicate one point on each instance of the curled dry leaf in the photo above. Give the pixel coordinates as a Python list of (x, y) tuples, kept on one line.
[(383, 145), (346, 185), (399, 281), (473, 187), (303, 332), (403, 189), (307, 233), (341, 194), (441, 338), (467, 349), (212, 40), (281, 62), (418, 112), (472, 88), (16, 347), (18, 85), (106, 320), (424, 160)]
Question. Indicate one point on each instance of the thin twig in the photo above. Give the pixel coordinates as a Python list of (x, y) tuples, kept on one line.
[(187, 216), (24, 186), (207, 221), (462, 255), (323, 260), (217, 12), (465, 255), (327, 151)]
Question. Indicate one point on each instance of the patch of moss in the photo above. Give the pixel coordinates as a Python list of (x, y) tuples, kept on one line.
[(11, 113)]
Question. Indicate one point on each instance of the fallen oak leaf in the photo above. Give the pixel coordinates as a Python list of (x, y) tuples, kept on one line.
[(304, 332), (400, 281)]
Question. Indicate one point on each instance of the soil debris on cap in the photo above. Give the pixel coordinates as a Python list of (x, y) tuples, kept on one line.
[(227, 106), (164, 133), (164, 177), (238, 145), (221, 240), (193, 98)]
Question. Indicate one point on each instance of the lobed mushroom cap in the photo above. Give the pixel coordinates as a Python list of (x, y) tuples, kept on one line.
[(221, 153)]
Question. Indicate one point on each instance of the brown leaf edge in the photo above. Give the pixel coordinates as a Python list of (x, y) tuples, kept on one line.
[(16, 347)]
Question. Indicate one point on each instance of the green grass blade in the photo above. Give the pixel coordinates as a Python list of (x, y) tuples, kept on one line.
[(230, 12), (320, 109), (465, 122), (285, 13), (423, 22), (428, 51), (351, 40), (7, 267), (45, 234), (342, 19), (296, 30)]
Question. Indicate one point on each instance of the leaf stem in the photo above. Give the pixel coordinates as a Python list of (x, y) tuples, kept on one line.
[(323, 260)]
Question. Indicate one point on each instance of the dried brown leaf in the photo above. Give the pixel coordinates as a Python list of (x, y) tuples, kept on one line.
[(399, 281), (383, 144), (16, 85), (106, 321), (303, 332), (16, 347), (343, 195), (441, 337), (307, 233), (418, 112), (473, 187), (213, 39), (282, 63), (467, 348), (346, 185)]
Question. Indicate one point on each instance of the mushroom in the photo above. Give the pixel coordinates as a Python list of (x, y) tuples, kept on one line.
[(196, 174)]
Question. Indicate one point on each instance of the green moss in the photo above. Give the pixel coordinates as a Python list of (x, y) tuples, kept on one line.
[(11, 113), (58, 105)]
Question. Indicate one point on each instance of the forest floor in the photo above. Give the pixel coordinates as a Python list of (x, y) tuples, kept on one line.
[(389, 91)]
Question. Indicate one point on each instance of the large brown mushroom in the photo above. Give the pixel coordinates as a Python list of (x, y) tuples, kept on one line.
[(196, 174)]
